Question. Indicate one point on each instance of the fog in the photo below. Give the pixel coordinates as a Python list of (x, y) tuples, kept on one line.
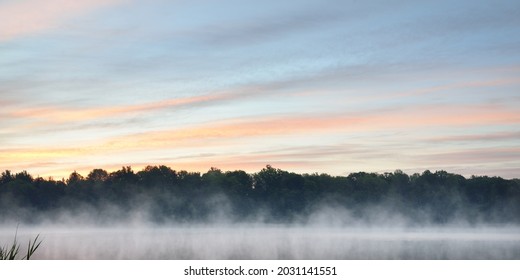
[(159, 213), (324, 235), (325, 230)]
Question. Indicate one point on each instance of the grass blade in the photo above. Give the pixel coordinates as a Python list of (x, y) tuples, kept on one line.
[(32, 247), (11, 253)]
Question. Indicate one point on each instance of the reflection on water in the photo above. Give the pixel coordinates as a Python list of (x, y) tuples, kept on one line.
[(270, 242)]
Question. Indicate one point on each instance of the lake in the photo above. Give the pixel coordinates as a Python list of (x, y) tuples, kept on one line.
[(260, 241)]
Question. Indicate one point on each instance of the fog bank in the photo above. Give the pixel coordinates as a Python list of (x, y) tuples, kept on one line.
[(267, 241), (159, 213)]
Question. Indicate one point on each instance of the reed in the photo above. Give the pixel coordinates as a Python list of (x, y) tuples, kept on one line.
[(12, 252)]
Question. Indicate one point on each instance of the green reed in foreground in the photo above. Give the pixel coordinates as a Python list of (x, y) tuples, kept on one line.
[(11, 252)]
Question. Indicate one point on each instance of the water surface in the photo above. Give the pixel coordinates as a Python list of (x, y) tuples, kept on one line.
[(269, 242)]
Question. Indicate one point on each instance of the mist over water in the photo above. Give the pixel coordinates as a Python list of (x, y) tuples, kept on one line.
[(158, 213), (268, 241)]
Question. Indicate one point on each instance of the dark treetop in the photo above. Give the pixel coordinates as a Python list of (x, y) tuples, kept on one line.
[(273, 195)]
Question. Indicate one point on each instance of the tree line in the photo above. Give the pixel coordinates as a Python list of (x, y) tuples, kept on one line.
[(275, 195)]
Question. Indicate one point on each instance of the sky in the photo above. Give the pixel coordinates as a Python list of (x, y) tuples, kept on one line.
[(306, 86)]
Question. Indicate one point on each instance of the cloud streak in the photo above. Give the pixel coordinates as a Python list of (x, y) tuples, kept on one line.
[(222, 135), (67, 114), (27, 17), (457, 86), (470, 156), (60, 115), (490, 137)]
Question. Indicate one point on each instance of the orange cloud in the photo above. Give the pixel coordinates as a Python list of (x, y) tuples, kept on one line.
[(216, 133), (13, 156), (58, 114), (478, 137), (425, 117), (250, 132), (26, 17)]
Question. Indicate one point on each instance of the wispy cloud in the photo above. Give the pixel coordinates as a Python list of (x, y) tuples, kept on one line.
[(261, 30), (67, 114), (456, 86), (26, 17), (226, 133), (70, 114), (470, 156), (489, 137)]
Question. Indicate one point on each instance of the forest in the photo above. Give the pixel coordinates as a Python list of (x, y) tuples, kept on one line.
[(270, 195)]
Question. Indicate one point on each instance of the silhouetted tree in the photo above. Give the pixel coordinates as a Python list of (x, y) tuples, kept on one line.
[(437, 197), (97, 176)]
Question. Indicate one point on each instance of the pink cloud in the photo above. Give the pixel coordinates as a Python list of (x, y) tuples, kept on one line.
[(216, 133), (26, 17), (61, 114), (224, 135)]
